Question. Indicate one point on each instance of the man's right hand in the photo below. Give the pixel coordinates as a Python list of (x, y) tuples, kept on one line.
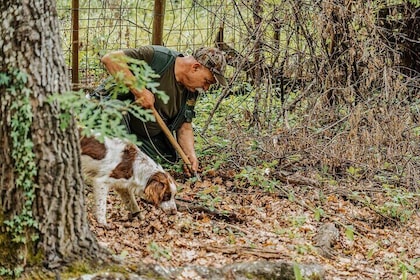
[(145, 98), (114, 62)]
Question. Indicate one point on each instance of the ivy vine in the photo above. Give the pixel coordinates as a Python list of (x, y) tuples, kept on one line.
[(20, 227)]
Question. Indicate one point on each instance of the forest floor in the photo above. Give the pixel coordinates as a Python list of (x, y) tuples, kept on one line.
[(221, 221)]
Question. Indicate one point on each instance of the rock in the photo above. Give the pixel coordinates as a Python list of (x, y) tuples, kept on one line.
[(260, 270), (325, 239)]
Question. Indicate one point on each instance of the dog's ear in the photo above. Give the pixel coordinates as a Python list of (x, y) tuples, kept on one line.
[(156, 188)]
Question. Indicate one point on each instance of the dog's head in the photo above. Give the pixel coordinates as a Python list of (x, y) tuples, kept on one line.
[(161, 191)]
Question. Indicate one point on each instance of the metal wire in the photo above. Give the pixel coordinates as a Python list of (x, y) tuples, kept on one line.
[(110, 25)]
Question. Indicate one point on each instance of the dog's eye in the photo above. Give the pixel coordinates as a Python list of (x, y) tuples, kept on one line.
[(167, 196)]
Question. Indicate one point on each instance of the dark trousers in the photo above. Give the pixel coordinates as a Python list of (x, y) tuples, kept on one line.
[(158, 147)]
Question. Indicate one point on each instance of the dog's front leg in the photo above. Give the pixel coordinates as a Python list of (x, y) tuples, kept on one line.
[(128, 198), (100, 194)]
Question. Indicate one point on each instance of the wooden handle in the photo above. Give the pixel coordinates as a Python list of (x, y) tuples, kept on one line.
[(171, 138)]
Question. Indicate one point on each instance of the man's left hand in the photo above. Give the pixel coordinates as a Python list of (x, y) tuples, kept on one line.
[(191, 171)]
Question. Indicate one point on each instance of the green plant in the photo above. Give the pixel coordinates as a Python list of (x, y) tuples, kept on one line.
[(397, 203), (406, 268), (104, 116), (319, 212), (22, 226), (209, 197), (259, 176), (297, 271), (415, 2), (354, 172), (303, 249), (159, 252), (350, 232), (298, 221), (401, 204)]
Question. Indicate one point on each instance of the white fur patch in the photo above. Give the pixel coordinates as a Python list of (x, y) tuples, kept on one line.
[(97, 172)]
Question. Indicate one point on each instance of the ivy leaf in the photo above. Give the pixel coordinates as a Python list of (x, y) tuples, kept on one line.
[(4, 79)]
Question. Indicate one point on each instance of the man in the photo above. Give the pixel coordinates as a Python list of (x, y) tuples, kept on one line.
[(181, 78)]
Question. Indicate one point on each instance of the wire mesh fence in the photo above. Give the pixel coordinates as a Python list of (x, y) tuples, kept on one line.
[(293, 54), (108, 25)]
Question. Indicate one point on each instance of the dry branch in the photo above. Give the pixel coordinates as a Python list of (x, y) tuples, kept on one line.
[(190, 206), (295, 179)]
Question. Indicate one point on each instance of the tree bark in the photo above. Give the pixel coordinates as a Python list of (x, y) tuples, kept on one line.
[(30, 43), (257, 15)]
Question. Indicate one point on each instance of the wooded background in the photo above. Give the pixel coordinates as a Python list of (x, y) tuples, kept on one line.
[(339, 74)]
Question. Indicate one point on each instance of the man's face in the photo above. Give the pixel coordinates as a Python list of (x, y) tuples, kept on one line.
[(200, 78)]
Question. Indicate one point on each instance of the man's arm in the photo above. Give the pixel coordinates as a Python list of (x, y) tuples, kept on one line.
[(185, 137), (114, 63)]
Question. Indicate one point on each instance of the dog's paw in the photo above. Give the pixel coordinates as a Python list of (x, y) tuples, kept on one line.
[(134, 215), (104, 226)]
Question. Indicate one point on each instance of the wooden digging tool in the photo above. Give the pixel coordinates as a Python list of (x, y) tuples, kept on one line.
[(173, 141)]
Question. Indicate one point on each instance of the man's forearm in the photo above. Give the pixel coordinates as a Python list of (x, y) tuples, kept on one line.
[(114, 63), (185, 137)]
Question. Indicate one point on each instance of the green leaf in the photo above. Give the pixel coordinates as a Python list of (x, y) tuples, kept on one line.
[(319, 212), (297, 272), (4, 79), (21, 77), (350, 232)]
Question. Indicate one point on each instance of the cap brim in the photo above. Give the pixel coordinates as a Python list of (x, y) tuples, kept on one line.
[(220, 79)]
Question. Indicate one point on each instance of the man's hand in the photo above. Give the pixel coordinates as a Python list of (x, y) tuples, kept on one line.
[(144, 98), (115, 63), (191, 171), (186, 141)]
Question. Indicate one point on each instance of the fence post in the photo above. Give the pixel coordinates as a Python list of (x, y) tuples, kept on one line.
[(75, 44), (158, 19)]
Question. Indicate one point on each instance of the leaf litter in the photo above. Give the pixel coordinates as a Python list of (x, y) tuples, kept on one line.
[(267, 225)]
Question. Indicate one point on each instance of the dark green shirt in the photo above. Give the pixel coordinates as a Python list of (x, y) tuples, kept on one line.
[(167, 83)]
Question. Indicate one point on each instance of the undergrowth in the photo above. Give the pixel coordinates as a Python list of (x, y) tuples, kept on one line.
[(369, 158), (356, 153)]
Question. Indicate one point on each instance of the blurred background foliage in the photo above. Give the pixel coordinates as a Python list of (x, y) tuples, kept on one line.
[(323, 88)]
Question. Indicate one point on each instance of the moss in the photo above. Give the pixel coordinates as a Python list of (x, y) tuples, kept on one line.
[(76, 269), (8, 252), (14, 255), (35, 258), (38, 274), (79, 268)]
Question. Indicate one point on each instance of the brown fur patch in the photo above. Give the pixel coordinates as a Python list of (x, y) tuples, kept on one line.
[(157, 188), (124, 170), (92, 147)]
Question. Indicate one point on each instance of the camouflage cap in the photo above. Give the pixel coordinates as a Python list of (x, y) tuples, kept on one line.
[(214, 60)]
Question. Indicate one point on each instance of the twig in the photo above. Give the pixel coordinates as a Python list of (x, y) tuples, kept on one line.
[(190, 206), (263, 253), (296, 179)]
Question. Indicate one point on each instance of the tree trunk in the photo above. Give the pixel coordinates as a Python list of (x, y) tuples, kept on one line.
[(52, 226), (257, 15)]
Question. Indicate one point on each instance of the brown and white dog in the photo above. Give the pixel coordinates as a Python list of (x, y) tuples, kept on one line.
[(122, 166)]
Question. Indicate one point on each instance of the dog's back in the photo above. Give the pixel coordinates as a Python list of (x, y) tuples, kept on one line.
[(122, 166)]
